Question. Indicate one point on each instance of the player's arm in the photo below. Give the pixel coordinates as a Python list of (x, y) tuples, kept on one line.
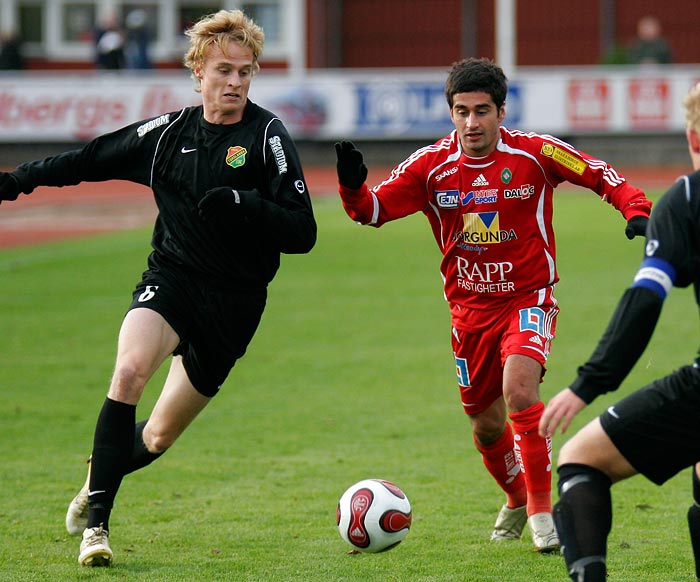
[(567, 163), (403, 193), (60, 170), (359, 203), (280, 207), (286, 215), (117, 155), (667, 263), (622, 344), (624, 340)]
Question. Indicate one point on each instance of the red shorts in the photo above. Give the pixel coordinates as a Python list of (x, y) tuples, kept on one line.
[(522, 326)]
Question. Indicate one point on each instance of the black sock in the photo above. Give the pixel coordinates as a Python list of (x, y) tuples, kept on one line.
[(141, 456), (583, 518), (112, 447), (694, 523)]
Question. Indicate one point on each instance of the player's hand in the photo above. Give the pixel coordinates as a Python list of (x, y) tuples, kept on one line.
[(9, 186), (229, 205), (351, 168), (636, 226), (560, 411)]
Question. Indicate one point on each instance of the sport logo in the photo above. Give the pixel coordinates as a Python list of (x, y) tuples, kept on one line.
[(479, 196), (486, 196), (148, 294), (564, 158), (462, 372), (278, 151), (480, 181), (447, 198), (465, 198), (534, 319), (359, 506), (524, 192), (142, 130), (651, 248), (444, 174), (484, 228), (235, 157)]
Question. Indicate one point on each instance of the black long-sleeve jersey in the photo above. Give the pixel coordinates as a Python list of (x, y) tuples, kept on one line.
[(672, 259), (181, 156)]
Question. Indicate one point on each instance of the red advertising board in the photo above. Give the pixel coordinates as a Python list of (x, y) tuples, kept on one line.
[(588, 104), (649, 103)]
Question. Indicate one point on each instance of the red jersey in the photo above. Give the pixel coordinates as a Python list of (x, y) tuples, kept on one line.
[(491, 216)]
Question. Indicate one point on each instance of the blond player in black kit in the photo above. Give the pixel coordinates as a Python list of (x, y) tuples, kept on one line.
[(231, 197), (656, 430)]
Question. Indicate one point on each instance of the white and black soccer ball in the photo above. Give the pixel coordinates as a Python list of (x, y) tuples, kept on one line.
[(373, 515)]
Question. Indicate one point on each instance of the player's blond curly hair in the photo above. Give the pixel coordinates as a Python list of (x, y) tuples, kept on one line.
[(691, 102), (221, 28)]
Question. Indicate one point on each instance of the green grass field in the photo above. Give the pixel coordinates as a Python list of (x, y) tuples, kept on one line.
[(350, 376)]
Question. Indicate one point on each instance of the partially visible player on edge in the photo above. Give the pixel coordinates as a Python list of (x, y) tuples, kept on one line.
[(487, 193), (656, 430), (231, 196)]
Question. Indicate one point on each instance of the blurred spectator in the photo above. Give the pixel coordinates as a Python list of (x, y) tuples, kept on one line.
[(109, 44), (649, 47), (11, 58), (616, 55), (138, 39)]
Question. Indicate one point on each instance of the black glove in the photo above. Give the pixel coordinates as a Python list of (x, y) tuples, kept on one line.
[(228, 205), (636, 226), (9, 186), (352, 171)]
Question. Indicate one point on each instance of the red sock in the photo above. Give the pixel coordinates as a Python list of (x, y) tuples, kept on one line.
[(535, 455), (500, 460)]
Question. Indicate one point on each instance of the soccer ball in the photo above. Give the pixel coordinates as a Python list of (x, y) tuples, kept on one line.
[(373, 515)]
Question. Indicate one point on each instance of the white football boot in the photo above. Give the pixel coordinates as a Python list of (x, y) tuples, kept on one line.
[(509, 524), (77, 514), (544, 536), (94, 549)]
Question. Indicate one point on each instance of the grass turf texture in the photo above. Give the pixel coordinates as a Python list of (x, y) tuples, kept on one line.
[(350, 376)]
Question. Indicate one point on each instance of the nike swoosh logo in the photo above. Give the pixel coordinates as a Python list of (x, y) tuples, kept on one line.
[(91, 493), (613, 412), (186, 150)]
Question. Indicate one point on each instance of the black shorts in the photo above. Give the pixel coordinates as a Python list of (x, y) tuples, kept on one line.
[(657, 428), (215, 325)]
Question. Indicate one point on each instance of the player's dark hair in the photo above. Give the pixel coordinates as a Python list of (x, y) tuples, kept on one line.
[(472, 74)]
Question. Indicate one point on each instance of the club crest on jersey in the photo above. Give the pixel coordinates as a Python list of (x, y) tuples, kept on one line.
[(447, 198), (484, 228), (235, 156), (506, 176)]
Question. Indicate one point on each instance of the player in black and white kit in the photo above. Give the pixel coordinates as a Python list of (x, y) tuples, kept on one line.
[(231, 197), (656, 430)]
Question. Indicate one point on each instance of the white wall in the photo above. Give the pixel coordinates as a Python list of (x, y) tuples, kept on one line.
[(386, 105)]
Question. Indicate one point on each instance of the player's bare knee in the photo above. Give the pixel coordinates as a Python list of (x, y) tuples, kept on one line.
[(568, 453), (580, 449), (518, 397), (588, 446), (128, 377), (157, 441)]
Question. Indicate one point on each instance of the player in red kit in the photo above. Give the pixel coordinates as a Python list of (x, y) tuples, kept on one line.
[(487, 193)]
